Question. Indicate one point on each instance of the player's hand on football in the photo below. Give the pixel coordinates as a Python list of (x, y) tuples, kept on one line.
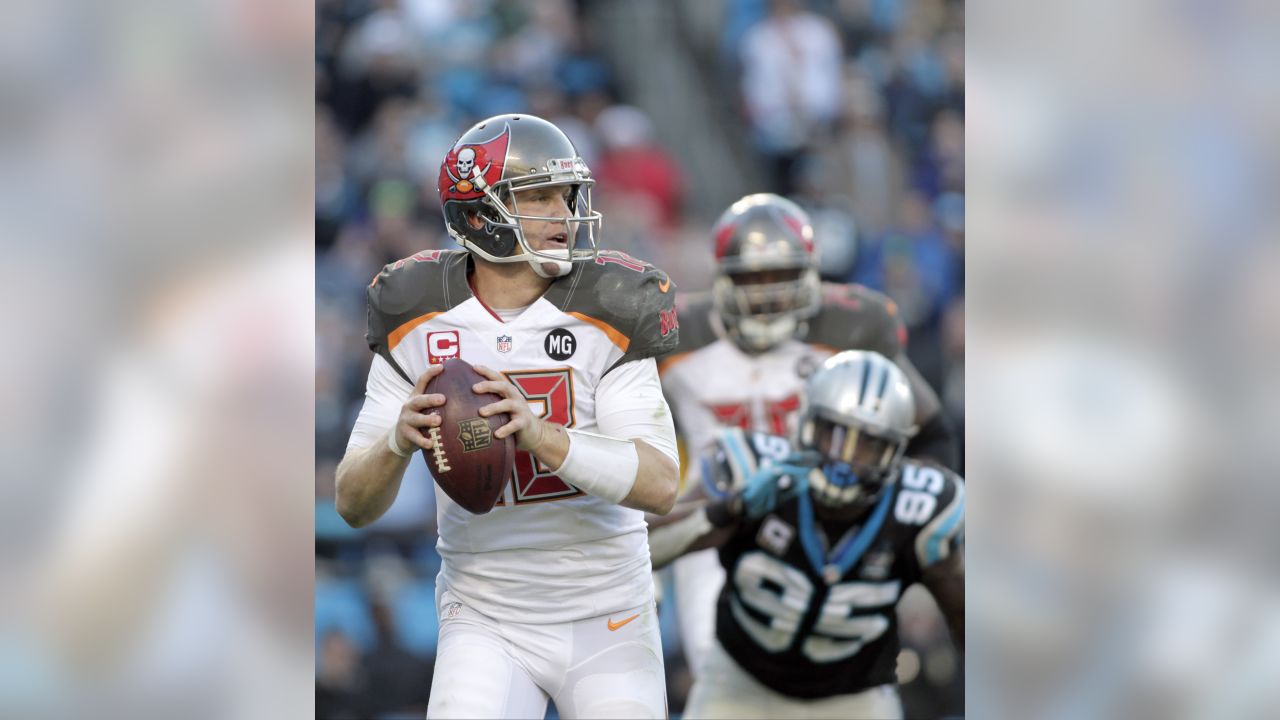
[(528, 429), (416, 418)]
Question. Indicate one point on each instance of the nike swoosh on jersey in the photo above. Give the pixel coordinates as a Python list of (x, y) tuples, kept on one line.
[(615, 625)]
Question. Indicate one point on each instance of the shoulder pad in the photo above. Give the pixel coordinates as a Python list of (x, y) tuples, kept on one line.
[(633, 299), (853, 317), (931, 497), (409, 290)]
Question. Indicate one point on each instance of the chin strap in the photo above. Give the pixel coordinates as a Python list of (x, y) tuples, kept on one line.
[(562, 267)]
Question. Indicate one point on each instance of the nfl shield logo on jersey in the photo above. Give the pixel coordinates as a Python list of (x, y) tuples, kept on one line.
[(504, 343)]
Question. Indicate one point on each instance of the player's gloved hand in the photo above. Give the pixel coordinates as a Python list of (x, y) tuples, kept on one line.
[(770, 487)]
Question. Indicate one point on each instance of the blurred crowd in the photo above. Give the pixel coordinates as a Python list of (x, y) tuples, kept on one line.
[(854, 108)]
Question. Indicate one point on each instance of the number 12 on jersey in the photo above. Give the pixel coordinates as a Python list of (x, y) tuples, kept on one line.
[(552, 390)]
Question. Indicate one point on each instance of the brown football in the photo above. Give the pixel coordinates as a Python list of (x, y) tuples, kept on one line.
[(469, 463)]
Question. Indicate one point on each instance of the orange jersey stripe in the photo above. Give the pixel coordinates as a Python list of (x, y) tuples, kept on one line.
[(398, 334), (622, 341)]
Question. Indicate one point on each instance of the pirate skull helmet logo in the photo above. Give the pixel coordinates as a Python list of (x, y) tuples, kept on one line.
[(465, 163)]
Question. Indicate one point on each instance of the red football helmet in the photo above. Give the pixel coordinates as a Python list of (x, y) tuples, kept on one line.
[(767, 282), (489, 164)]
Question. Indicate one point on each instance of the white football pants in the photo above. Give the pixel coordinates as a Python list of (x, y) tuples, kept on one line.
[(698, 578), (725, 690), (603, 667)]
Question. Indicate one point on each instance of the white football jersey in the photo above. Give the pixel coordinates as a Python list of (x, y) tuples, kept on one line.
[(720, 386), (581, 354)]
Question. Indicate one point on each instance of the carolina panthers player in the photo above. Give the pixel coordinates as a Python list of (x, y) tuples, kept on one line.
[(746, 348), (820, 535)]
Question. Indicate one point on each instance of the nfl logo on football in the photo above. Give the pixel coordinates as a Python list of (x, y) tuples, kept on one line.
[(504, 343)]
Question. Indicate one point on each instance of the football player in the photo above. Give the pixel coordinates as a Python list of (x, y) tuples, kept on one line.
[(820, 536), (549, 595), (746, 348)]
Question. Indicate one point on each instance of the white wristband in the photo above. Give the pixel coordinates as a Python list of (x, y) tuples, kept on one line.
[(393, 447), (603, 466)]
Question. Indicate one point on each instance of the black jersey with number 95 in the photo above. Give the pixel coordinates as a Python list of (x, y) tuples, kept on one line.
[(812, 618)]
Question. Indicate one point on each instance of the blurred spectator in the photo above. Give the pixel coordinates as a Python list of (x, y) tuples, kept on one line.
[(398, 681), (335, 189), (913, 263), (952, 389), (377, 61), (633, 167), (383, 151), (581, 71), (940, 168), (339, 678), (835, 227), (791, 84), (539, 35), (550, 101), (868, 167), (949, 210)]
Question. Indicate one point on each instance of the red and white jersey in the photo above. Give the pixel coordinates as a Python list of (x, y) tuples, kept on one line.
[(712, 384), (719, 386), (582, 356)]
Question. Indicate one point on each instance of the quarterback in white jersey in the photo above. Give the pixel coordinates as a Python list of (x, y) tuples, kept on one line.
[(746, 349), (558, 573)]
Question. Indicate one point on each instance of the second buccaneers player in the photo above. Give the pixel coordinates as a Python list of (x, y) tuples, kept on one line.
[(746, 348)]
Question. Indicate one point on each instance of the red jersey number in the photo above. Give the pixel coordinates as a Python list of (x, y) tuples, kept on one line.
[(553, 390)]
